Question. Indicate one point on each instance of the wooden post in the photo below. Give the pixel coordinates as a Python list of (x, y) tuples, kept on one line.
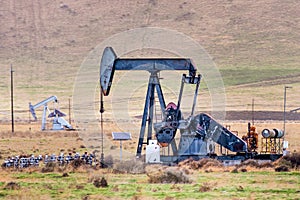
[(12, 99)]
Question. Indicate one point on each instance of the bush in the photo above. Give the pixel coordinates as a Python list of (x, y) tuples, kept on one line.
[(202, 163), (255, 164), (108, 161), (294, 160), (49, 167), (65, 174), (250, 163), (235, 170), (266, 165), (130, 166), (282, 168), (168, 175), (244, 170), (100, 183), (77, 163), (12, 186), (205, 187)]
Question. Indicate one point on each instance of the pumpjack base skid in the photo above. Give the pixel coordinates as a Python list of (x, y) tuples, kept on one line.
[(169, 160)]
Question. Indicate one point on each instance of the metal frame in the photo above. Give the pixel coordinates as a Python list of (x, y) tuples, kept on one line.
[(109, 63), (153, 85)]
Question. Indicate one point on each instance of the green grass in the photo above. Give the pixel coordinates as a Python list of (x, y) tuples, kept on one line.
[(225, 185), (233, 75)]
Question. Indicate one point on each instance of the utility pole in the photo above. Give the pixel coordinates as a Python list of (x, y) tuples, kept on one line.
[(284, 107), (253, 111), (101, 121), (12, 99), (69, 111)]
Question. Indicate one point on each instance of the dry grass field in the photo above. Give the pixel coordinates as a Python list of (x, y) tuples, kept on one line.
[(34, 141), (254, 46)]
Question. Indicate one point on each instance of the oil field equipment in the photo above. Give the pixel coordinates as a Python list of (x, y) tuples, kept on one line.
[(251, 138), (24, 161), (121, 136), (152, 152), (198, 133), (58, 122), (272, 141)]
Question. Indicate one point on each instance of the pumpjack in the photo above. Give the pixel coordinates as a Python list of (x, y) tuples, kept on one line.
[(198, 133), (59, 123)]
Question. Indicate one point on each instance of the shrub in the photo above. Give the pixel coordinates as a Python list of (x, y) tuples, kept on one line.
[(108, 161), (168, 175), (205, 187), (211, 163), (294, 160), (266, 165), (12, 186), (235, 170), (281, 164), (130, 166), (186, 162), (65, 174), (49, 167), (243, 170), (100, 183), (202, 163), (282, 168), (77, 163), (250, 163)]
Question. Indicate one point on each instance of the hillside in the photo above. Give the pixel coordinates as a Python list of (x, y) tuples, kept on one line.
[(254, 45)]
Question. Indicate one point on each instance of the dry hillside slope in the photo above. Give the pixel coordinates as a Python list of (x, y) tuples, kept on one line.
[(46, 41)]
